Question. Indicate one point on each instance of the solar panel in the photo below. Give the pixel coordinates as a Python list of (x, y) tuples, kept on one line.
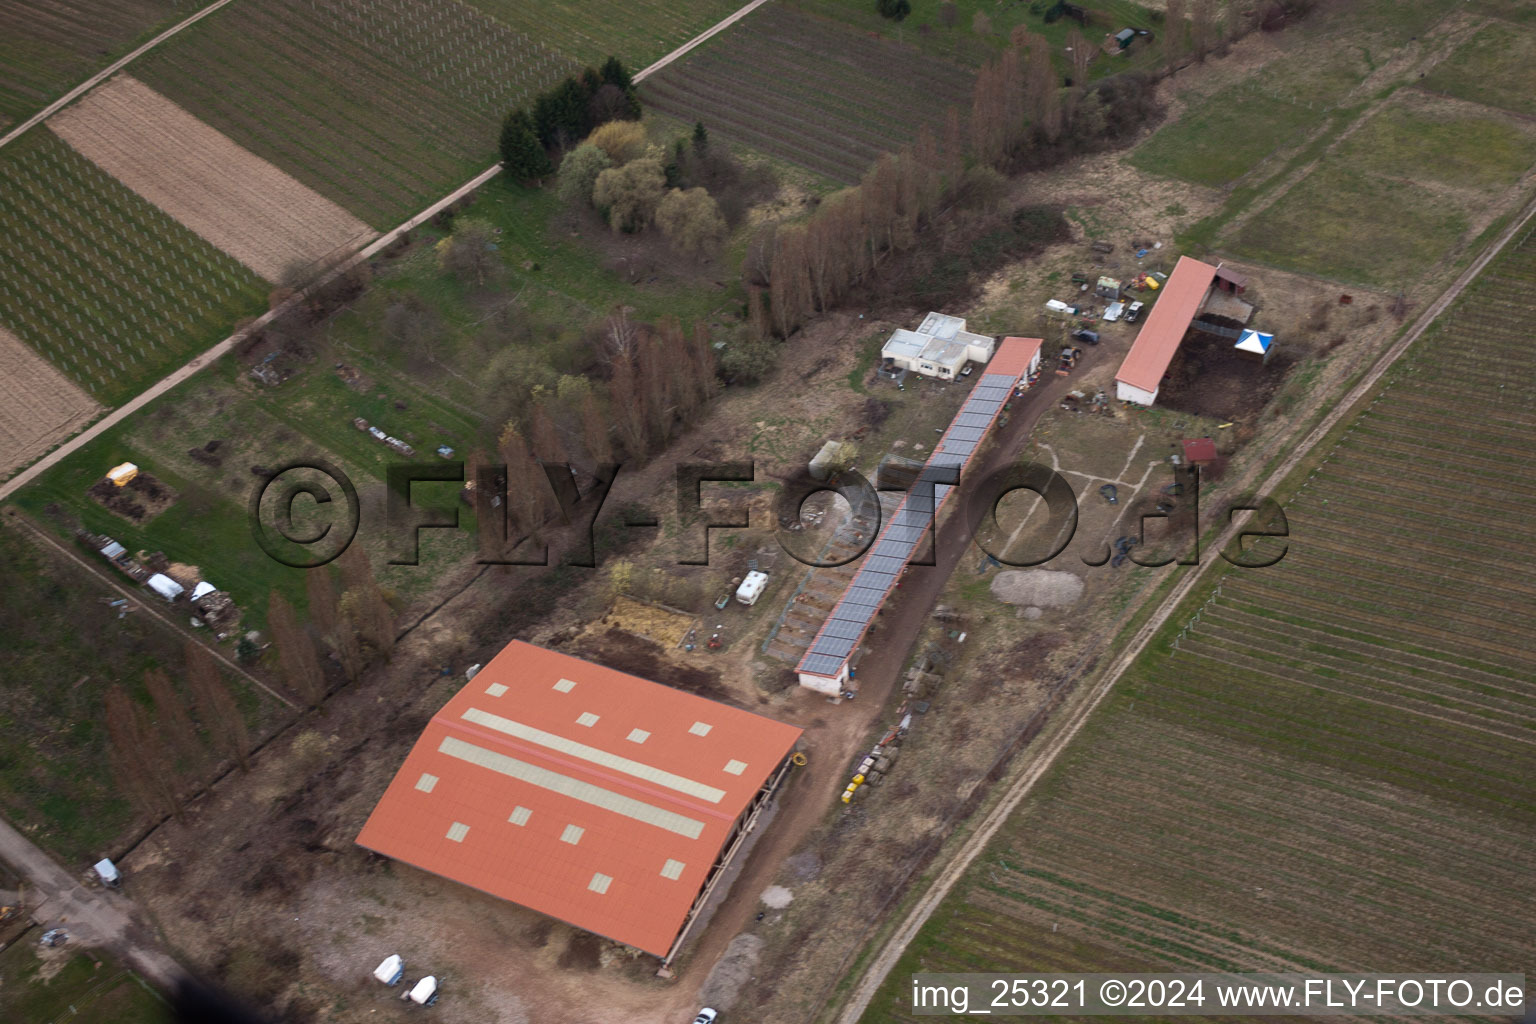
[(873, 582)]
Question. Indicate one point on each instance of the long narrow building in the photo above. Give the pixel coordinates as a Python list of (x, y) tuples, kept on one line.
[(824, 668)]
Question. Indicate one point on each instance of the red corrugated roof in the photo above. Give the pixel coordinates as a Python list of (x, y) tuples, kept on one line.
[(1013, 356), (1159, 339), (1200, 449), (541, 748)]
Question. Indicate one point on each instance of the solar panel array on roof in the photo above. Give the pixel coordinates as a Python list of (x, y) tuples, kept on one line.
[(876, 578)]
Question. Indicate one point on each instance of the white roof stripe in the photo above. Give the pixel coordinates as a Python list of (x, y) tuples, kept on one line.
[(573, 788), (672, 869), (638, 736), (571, 748), (700, 728), (496, 689), (572, 834), (427, 782), (600, 883), (735, 767), (587, 719), (520, 815), (565, 686), (457, 831)]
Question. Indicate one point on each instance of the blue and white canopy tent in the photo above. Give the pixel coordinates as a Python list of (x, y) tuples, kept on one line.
[(1255, 343)]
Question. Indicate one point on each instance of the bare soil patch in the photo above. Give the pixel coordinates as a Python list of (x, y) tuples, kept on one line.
[(1044, 588), (39, 406), (228, 195), (140, 500), (1210, 378)]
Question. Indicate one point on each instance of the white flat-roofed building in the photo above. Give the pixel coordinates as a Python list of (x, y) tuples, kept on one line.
[(940, 347)]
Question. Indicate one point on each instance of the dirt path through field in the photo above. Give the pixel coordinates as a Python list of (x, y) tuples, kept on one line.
[(1076, 714), (106, 73), (229, 196), (39, 406)]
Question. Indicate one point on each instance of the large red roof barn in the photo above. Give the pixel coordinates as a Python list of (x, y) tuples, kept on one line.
[(581, 792)]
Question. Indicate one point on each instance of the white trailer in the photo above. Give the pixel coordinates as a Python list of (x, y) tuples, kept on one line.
[(752, 587)]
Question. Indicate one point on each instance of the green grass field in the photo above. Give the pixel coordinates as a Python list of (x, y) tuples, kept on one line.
[(1353, 227), (99, 282), (54, 778), (45, 50), (1323, 765), (1497, 67), (1451, 144), (1223, 137), (87, 989)]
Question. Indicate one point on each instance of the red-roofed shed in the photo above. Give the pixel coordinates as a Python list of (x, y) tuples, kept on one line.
[(584, 793), (1141, 374), (1199, 451)]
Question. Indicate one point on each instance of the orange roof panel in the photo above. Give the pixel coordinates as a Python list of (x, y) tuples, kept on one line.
[(1160, 336), (579, 791), (1014, 355)]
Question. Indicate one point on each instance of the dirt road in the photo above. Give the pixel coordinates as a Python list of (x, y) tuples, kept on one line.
[(890, 644), (1075, 715), (92, 918)]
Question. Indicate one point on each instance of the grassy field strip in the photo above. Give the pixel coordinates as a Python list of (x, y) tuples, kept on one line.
[(1081, 714)]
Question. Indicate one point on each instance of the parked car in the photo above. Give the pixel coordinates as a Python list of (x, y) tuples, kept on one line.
[(1091, 337), (1133, 312), (1113, 312), (969, 369), (706, 1016)]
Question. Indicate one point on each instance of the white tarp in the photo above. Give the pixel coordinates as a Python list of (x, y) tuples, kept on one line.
[(113, 549), (202, 590), (390, 970), (164, 586), (425, 989), (106, 871)]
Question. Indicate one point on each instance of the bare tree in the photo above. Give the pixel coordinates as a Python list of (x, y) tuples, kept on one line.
[(1202, 24), (790, 288), (1081, 57), (1173, 33), (1040, 98), (139, 762), (173, 721), (954, 147), (627, 407), (216, 707), (596, 431), (988, 131), (373, 616), (322, 598), (295, 651), (470, 254), (347, 637)]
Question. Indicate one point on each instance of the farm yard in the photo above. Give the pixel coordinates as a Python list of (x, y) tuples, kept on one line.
[(100, 283), (233, 199), (46, 48), (380, 107), (1359, 719), (810, 91)]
